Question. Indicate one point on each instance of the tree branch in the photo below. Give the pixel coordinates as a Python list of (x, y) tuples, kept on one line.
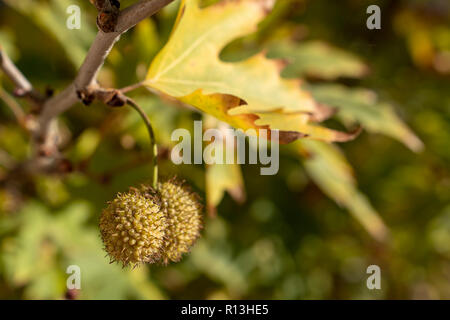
[(13, 73), (23, 86), (87, 75)]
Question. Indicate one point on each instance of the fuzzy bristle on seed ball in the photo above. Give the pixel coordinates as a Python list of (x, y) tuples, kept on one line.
[(184, 216), (133, 228)]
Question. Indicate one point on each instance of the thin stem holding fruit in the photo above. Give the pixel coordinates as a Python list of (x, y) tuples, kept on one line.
[(131, 87), (152, 139)]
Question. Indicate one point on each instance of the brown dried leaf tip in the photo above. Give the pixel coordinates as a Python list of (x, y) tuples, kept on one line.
[(149, 226)]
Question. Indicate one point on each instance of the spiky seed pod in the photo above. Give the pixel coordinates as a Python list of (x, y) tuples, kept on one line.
[(183, 211), (133, 228)]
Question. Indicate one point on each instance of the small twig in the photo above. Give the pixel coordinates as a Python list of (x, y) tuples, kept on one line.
[(94, 60), (13, 73), (151, 133), (131, 87), (45, 150), (23, 86)]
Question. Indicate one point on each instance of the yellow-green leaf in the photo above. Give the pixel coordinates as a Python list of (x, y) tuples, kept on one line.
[(362, 106), (222, 178), (317, 59), (329, 169), (189, 69)]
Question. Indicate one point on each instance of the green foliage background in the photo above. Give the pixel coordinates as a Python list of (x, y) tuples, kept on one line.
[(288, 240)]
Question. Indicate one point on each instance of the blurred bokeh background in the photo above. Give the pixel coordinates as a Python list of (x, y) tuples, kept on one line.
[(288, 239)]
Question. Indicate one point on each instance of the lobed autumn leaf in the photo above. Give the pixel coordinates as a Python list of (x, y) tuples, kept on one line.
[(246, 94)]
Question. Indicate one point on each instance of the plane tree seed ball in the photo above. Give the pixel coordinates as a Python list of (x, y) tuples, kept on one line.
[(133, 228), (184, 215)]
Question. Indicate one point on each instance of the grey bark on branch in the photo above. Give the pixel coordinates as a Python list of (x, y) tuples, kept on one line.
[(23, 86), (14, 74), (85, 80)]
